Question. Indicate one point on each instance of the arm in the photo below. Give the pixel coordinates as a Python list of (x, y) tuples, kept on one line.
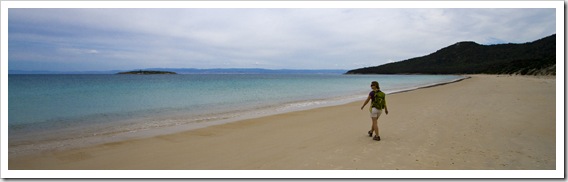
[(366, 101)]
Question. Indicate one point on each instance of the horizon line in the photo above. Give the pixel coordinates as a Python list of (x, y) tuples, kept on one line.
[(16, 71)]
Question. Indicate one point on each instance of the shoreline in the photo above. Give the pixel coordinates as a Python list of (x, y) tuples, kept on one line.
[(465, 77), (487, 136), (182, 123)]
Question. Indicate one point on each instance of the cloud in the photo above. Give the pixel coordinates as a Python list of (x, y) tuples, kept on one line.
[(268, 38), (76, 51)]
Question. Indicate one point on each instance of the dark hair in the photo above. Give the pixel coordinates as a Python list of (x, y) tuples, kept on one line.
[(376, 84)]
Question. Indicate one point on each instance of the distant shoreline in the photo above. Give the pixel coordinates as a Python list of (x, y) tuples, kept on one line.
[(195, 71), (147, 72)]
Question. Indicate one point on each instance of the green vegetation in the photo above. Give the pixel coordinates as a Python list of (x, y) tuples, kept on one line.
[(533, 58)]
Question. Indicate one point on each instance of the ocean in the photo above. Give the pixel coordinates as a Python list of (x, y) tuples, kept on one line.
[(47, 112)]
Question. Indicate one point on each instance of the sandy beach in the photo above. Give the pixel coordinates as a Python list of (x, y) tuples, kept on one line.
[(486, 122)]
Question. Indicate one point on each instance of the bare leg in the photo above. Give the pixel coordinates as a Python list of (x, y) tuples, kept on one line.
[(372, 125), (375, 126)]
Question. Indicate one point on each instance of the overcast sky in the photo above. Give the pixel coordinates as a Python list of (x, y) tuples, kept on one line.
[(124, 39)]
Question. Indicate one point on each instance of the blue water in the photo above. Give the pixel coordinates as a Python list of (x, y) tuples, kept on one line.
[(72, 106)]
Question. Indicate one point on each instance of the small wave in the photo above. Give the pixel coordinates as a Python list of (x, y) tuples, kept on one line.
[(427, 85)]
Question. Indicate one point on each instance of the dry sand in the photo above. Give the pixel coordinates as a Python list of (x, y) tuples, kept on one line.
[(486, 122)]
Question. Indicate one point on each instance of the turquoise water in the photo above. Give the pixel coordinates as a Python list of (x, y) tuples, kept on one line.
[(45, 108)]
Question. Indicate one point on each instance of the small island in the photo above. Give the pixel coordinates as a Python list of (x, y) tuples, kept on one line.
[(147, 72)]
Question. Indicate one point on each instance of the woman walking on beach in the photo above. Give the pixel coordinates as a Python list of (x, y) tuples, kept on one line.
[(378, 103)]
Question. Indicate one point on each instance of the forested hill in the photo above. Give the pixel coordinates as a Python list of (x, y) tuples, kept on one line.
[(533, 58)]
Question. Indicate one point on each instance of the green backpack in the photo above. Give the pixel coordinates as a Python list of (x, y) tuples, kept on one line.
[(379, 101)]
